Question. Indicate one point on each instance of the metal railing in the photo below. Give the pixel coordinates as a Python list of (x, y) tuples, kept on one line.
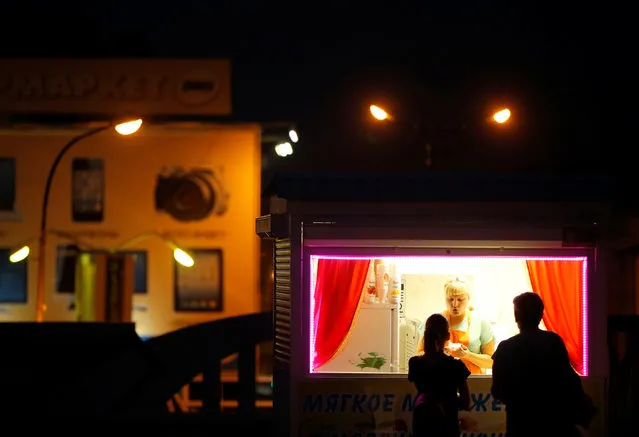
[(178, 357)]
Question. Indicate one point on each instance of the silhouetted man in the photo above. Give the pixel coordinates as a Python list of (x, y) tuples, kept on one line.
[(533, 377)]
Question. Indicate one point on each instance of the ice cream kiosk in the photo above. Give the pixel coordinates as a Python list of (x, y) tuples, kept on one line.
[(360, 262)]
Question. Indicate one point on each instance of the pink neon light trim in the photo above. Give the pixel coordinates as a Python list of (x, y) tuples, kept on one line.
[(466, 257), (584, 297), (311, 319), (584, 318)]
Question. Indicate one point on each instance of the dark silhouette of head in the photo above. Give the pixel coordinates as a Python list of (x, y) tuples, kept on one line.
[(436, 334), (529, 310)]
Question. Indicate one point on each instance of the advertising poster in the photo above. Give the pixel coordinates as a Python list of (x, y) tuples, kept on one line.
[(383, 407), (199, 287)]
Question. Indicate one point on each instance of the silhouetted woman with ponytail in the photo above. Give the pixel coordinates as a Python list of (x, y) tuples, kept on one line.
[(441, 382)]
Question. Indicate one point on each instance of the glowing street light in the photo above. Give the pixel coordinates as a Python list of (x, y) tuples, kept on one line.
[(378, 113), (180, 255), (124, 128), (502, 116), (20, 254), (292, 134), (284, 149), (128, 127), (23, 251), (183, 258)]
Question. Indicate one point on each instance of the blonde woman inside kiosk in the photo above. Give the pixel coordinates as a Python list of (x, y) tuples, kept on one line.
[(471, 338)]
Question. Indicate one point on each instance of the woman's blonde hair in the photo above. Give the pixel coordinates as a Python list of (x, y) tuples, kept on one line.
[(452, 287), (458, 285)]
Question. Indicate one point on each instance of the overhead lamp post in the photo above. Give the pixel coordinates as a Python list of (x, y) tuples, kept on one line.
[(180, 255), (380, 114), (21, 252), (278, 139), (285, 148), (125, 128), (502, 116)]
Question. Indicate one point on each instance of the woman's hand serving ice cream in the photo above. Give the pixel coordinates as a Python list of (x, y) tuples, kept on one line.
[(462, 352), (456, 350)]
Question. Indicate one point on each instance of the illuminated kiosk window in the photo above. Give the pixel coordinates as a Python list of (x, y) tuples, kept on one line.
[(352, 331)]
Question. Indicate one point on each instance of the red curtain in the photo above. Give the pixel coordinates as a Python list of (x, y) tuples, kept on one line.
[(559, 283), (338, 291)]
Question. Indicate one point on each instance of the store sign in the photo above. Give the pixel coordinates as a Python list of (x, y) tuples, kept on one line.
[(57, 87), (383, 407), (141, 87)]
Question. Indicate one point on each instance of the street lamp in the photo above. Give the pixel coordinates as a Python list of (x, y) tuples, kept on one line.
[(183, 258), (378, 113), (125, 128), (128, 127), (23, 250), (502, 116), (284, 149), (292, 134), (179, 255), (20, 254)]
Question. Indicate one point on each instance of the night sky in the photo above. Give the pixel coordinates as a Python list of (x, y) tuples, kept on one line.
[(320, 64)]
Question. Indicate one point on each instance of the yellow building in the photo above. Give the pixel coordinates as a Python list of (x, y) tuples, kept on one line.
[(180, 181)]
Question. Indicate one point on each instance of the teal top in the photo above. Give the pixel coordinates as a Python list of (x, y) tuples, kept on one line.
[(481, 332)]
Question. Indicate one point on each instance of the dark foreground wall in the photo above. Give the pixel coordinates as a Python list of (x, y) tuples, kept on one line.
[(46, 367), (106, 372), (623, 384)]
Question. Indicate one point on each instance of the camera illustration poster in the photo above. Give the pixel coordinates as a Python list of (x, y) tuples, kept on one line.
[(190, 194)]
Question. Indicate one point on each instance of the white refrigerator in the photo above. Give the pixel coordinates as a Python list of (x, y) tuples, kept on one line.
[(373, 343)]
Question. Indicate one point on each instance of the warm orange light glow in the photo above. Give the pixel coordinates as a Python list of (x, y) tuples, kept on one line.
[(379, 113), (129, 127), (502, 116)]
